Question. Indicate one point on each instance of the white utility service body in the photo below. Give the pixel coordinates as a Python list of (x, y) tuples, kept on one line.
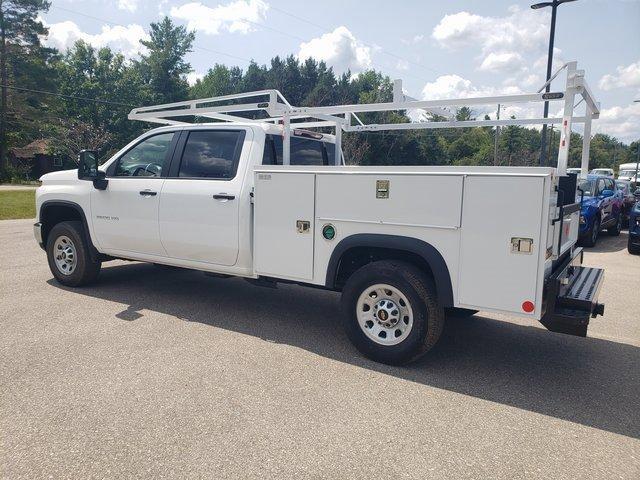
[(471, 215), (403, 244)]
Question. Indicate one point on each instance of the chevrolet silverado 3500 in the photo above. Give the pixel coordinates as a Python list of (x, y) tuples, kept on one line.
[(270, 200)]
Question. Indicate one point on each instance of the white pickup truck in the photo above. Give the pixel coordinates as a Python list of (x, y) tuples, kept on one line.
[(260, 200)]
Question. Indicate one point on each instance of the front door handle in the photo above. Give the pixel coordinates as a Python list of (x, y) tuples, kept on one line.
[(148, 193), (223, 196)]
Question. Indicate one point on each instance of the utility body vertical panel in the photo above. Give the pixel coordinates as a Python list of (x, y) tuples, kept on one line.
[(284, 226), (501, 243)]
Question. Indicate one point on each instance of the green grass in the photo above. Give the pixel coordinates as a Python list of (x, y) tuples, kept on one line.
[(17, 204)]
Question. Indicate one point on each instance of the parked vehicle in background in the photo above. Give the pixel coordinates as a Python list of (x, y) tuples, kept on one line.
[(627, 171), (601, 208), (574, 171), (633, 245), (606, 172), (625, 191)]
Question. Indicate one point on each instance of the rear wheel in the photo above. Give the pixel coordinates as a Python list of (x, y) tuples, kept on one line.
[(391, 312), (615, 230), (68, 255)]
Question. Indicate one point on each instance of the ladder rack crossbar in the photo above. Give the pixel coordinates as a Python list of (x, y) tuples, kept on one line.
[(275, 109)]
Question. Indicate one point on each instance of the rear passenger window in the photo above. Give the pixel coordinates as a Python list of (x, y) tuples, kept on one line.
[(304, 151), (211, 154)]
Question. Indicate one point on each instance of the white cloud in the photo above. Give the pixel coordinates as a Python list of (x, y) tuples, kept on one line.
[(338, 49), (402, 65), (126, 40), (628, 76), (495, 62), (621, 122), (192, 77), (501, 40), (234, 17), (455, 86), (128, 5)]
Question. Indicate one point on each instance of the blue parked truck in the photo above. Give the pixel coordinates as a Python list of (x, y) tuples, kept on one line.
[(601, 208), (634, 230)]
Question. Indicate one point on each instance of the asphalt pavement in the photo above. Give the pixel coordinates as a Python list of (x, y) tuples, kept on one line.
[(166, 373)]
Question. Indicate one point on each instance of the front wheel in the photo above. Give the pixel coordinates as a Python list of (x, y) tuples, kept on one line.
[(69, 257), (592, 235), (391, 312)]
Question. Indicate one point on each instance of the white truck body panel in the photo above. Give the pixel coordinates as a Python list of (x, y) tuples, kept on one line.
[(470, 215)]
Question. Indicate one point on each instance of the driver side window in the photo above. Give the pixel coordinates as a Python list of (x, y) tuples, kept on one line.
[(146, 159)]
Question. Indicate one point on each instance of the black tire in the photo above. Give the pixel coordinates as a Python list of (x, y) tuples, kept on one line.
[(615, 230), (591, 237), (633, 249), (419, 290), (86, 270)]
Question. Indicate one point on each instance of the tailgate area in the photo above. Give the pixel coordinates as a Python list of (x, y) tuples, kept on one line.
[(571, 297)]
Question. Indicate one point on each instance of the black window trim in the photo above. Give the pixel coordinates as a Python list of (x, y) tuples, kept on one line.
[(325, 156), (165, 164), (176, 158)]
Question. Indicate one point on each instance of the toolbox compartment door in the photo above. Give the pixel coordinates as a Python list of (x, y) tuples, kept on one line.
[(283, 224), (496, 212)]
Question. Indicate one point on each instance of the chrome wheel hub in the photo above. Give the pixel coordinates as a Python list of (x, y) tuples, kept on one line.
[(64, 254), (384, 314)]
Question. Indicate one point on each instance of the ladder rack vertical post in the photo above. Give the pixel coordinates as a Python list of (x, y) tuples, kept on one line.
[(586, 142), (567, 117), (338, 145), (286, 140)]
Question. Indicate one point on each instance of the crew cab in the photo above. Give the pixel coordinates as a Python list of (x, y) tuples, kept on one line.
[(272, 202), (601, 208)]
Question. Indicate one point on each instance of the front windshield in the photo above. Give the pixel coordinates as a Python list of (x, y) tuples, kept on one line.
[(627, 173), (587, 186)]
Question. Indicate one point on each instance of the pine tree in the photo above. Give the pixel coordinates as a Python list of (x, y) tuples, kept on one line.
[(22, 62), (164, 68)]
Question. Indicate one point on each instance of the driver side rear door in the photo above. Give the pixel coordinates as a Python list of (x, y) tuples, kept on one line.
[(125, 215)]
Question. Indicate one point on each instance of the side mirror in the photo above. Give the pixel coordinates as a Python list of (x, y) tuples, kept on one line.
[(88, 169), (607, 193)]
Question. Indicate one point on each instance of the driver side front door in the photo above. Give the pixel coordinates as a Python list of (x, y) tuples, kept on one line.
[(125, 215)]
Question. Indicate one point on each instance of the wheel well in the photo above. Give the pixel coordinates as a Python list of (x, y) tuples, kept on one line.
[(358, 257), (51, 215)]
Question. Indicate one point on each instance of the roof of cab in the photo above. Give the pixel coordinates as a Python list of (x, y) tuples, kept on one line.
[(266, 127)]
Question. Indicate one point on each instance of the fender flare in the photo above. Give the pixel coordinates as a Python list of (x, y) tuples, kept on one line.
[(428, 252), (93, 251)]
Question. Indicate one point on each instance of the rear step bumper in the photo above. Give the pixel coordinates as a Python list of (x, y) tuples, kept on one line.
[(571, 296)]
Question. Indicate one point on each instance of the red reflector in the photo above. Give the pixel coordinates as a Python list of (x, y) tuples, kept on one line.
[(528, 306)]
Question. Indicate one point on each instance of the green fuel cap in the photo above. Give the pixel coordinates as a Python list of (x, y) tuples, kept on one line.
[(329, 231)]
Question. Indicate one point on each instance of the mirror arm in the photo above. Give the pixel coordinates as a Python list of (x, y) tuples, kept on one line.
[(100, 182)]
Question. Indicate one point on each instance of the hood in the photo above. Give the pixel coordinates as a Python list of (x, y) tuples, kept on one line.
[(589, 201), (62, 176)]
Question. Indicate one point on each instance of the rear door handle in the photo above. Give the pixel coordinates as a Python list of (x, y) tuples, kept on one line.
[(148, 193), (223, 196)]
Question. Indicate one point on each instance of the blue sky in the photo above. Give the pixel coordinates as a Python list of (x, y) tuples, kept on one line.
[(439, 48)]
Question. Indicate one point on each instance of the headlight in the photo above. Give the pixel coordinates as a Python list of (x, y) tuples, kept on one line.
[(582, 220)]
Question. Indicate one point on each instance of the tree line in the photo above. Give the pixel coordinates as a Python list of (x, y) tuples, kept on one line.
[(80, 98)]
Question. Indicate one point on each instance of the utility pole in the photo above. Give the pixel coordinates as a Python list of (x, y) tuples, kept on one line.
[(554, 6), (495, 153)]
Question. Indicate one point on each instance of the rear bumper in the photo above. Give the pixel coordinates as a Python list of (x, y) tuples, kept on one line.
[(571, 296)]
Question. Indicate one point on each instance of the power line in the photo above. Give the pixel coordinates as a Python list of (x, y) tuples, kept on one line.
[(391, 54), (266, 27), (197, 47), (72, 97)]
